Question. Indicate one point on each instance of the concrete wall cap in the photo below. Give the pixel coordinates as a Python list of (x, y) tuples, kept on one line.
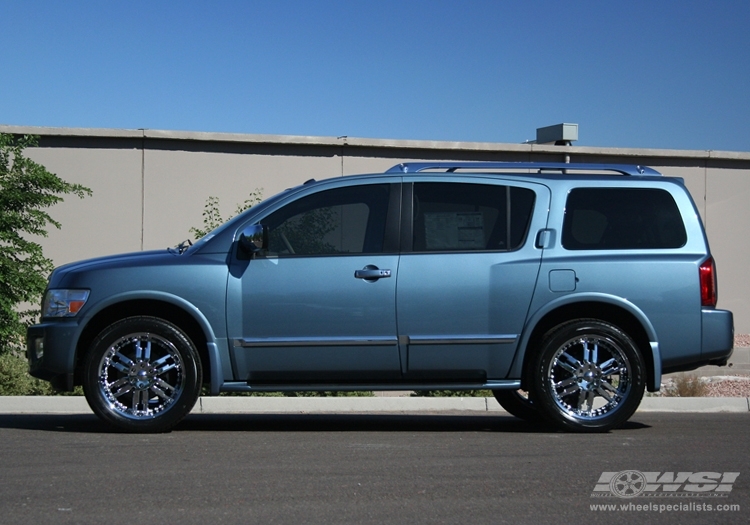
[(376, 143)]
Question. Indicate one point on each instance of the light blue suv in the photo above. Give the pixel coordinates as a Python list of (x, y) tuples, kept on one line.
[(566, 289)]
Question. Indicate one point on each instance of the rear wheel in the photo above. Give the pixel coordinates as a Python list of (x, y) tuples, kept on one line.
[(518, 403), (142, 374), (588, 376)]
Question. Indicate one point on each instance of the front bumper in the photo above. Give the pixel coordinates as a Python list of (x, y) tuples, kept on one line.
[(51, 351)]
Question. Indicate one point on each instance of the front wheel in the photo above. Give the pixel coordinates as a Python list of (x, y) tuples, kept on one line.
[(142, 374), (588, 376)]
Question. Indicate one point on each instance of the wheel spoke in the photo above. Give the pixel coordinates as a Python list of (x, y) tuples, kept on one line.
[(608, 386), (164, 385), (159, 369), (575, 363), (121, 362), (587, 352), (165, 368), (581, 399), (603, 392), (571, 390), (140, 399), (158, 391), (608, 367), (568, 363), (566, 382), (117, 384), (119, 366), (124, 390), (590, 397)]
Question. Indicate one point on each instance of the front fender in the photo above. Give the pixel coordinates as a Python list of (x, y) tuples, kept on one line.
[(214, 345)]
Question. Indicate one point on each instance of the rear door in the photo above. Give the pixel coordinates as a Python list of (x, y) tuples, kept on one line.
[(467, 274)]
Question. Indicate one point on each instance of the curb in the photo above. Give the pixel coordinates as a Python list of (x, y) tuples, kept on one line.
[(18, 405)]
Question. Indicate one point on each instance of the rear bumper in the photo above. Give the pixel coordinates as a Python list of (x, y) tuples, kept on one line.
[(718, 336), (717, 343)]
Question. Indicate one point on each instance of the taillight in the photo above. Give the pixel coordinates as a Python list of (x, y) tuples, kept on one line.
[(707, 273)]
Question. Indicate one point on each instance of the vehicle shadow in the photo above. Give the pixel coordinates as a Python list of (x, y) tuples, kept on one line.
[(267, 422)]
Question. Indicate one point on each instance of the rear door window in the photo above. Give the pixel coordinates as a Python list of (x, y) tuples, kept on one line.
[(470, 217)]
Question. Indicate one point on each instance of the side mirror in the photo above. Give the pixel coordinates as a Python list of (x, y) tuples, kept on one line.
[(254, 239)]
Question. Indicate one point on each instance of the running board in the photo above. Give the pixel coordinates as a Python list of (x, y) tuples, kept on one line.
[(241, 386)]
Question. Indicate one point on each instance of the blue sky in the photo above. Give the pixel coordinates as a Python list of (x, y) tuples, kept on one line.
[(653, 74)]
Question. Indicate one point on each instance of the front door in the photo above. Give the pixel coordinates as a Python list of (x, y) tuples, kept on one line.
[(320, 306)]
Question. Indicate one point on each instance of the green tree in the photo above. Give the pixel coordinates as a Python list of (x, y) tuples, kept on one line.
[(212, 215), (27, 190)]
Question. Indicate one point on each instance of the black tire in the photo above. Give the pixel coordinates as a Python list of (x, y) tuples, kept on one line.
[(142, 374), (588, 376), (518, 403)]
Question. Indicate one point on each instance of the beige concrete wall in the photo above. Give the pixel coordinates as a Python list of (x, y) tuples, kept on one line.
[(150, 187), (721, 195), (177, 184), (727, 226), (107, 222)]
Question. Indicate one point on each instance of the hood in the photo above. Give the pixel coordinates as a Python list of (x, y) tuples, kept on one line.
[(123, 260)]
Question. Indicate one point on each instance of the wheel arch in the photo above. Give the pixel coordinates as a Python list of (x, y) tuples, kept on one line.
[(186, 317), (616, 311)]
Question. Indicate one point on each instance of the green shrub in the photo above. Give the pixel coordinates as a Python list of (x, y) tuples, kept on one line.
[(328, 394), (27, 190), (212, 218), (293, 394), (15, 379), (452, 393)]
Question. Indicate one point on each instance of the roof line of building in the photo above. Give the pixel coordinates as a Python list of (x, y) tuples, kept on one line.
[(200, 136)]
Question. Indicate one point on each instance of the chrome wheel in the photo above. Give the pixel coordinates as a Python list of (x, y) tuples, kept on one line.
[(142, 374), (588, 376)]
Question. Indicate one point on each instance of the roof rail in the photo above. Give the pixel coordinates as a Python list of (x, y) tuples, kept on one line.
[(450, 167)]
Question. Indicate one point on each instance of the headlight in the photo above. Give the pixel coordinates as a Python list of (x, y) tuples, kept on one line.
[(63, 303)]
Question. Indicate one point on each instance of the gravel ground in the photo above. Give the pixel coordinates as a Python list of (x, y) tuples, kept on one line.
[(716, 386), (722, 386)]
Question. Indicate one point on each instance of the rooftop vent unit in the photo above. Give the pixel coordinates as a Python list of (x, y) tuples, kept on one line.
[(559, 134)]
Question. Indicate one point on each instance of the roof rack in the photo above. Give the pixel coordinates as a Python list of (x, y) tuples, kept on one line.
[(450, 167)]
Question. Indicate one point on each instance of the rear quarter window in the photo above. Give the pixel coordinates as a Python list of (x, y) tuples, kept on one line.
[(622, 219)]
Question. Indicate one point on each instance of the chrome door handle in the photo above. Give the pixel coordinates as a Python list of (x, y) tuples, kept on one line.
[(371, 273)]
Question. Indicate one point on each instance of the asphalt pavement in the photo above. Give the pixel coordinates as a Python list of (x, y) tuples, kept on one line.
[(304, 405), (440, 467)]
